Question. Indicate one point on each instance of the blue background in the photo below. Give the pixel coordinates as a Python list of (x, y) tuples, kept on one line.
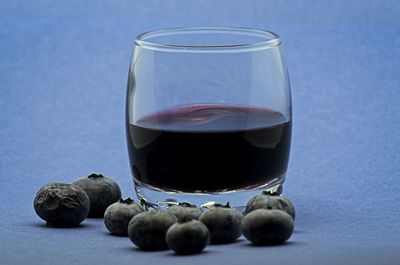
[(63, 73)]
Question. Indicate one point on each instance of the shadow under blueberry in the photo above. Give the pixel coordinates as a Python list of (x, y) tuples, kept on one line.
[(136, 249), (204, 252), (240, 240), (167, 252), (108, 234), (285, 244), (95, 218), (52, 226)]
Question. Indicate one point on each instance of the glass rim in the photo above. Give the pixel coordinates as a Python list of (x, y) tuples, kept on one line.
[(268, 39)]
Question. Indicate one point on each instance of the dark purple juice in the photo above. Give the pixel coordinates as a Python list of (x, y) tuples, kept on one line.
[(209, 148)]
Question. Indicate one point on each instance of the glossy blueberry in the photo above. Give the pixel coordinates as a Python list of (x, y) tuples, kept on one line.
[(223, 223), (187, 237), (118, 215), (185, 210), (102, 192), (270, 202), (61, 204), (148, 230), (267, 227)]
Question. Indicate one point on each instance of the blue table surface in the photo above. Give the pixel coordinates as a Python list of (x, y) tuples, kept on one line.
[(63, 73)]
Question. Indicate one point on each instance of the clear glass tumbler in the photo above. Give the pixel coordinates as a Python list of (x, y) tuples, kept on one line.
[(208, 115)]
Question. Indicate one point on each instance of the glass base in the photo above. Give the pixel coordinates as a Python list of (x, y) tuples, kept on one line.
[(152, 197)]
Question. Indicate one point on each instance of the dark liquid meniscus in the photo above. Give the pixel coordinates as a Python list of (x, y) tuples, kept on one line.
[(209, 148)]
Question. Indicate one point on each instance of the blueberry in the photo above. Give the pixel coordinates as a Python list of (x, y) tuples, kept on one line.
[(267, 227), (270, 202), (102, 192), (223, 223), (147, 230), (288, 205), (187, 237), (184, 210), (61, 204), (118, 215)]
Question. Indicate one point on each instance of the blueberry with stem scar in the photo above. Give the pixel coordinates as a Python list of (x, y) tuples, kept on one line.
[(188, 236), (184, 210), (102, 192), (147, 230), (287, 204), (223, 223), (61, 204), (267, 227), (118, 215), (270, 202)]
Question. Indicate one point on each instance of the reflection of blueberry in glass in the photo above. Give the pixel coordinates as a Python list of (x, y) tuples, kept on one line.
[(223, 223), (147, 230), (267, 227), (184, 210), (102, 192), (118, 215), (270, 202), (61, 204), (187, 237)]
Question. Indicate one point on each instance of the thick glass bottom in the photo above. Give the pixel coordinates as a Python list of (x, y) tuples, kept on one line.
[(152, 197)]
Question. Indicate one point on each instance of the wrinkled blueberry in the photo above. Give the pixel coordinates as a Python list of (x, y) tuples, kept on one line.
[(267, 227), (147, 230), (118, 215), (270, 202), (61, 204), (187, 237), (223, 223), (287, 204), (102, 192), (184, 210)]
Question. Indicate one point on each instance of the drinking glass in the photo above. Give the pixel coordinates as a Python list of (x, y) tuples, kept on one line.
[(208, 116)]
